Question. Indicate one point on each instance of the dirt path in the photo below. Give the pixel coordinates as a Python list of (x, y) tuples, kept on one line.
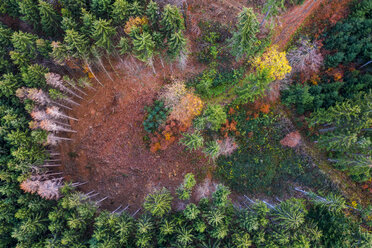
[(292, 20)]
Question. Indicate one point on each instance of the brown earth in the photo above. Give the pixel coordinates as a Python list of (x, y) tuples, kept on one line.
[(108, 150)]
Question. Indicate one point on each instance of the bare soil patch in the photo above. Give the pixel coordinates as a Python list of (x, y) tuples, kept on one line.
[(108, 150)]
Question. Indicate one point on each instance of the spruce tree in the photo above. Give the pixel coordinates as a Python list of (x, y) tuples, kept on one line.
[(77, 45), (143, 47), (244, 41), (176, 45), (24, 43), (120, 12), (30, 12), (50, 20), (102, 8), (171, 20), (103, 34), (88, 19)]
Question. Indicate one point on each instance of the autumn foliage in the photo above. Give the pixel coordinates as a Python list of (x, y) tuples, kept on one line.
[(275, 62), (135, 23)]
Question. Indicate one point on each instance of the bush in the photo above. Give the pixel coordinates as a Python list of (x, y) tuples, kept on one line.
[(214, 116), (156, 115)]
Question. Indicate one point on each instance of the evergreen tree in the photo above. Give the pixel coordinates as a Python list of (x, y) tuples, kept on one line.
[(192, 141), (103, 33), (158, 203), (120, 12), (88, 19), (176, 45), (30, 12), (153, 13), (123, 46), (50, 20), (77, 45), (143, 47), (244, 41), (24, 43), (74, 7), (136, 9), (171, 20), (102, 8)]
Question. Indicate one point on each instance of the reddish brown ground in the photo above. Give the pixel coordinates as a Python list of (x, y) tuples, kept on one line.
[(108, 150)]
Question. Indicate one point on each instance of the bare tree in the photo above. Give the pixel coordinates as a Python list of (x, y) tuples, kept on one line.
[(55, 140), (51, 126), (54, 79), (57, 114)]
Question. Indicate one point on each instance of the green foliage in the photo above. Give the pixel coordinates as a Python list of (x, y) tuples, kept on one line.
[(50, 20), (120, 11), (156, 115), (345, 135), (103, 33), (220, 196), (214, 116), (144, 47), (158, 203), (123, 46), (244, 41), (212, 149), (185, 189), (176, 45), (101, 8), (254, 87), (261, 163), (351, 42), (171, 20), (30, 12), (192, 141)]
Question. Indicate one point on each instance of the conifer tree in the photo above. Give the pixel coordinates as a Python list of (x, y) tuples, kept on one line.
[(136, 9), (158, 203), (87, 18), (171, 20), (176, 45), (30, 12), (192, 141), (76, 44), (74, 7), (50, 20), (123, 46), (24, 43), (103, 34), (143, 47), (153, 13), (120, 12), (244, 40), (101, 8)]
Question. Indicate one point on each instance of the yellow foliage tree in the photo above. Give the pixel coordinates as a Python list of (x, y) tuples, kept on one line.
[(275, 62)]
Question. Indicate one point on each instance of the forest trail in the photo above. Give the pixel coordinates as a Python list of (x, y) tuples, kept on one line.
[(292, 20)]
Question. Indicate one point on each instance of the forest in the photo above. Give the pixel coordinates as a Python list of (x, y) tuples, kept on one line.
[(185, 123)]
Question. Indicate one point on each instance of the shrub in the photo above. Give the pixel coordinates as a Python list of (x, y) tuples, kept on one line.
[(185, 189), (214, 116), (192, 141), (156, 115), (187, 109)]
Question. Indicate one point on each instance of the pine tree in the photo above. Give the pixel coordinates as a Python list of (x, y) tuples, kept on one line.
[(290, 214), (123, 46), (153, 13), (176, 45), (143, 47), (101, 8), (50, 20), (30, 12), (33, 76), (24, 43), (88, 19), (76, 44), (103, 34), (8, 85), (192, 141), (172, 20), (245, 39), (136, 9), (120, 12), (74, 7), (158, 203)]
